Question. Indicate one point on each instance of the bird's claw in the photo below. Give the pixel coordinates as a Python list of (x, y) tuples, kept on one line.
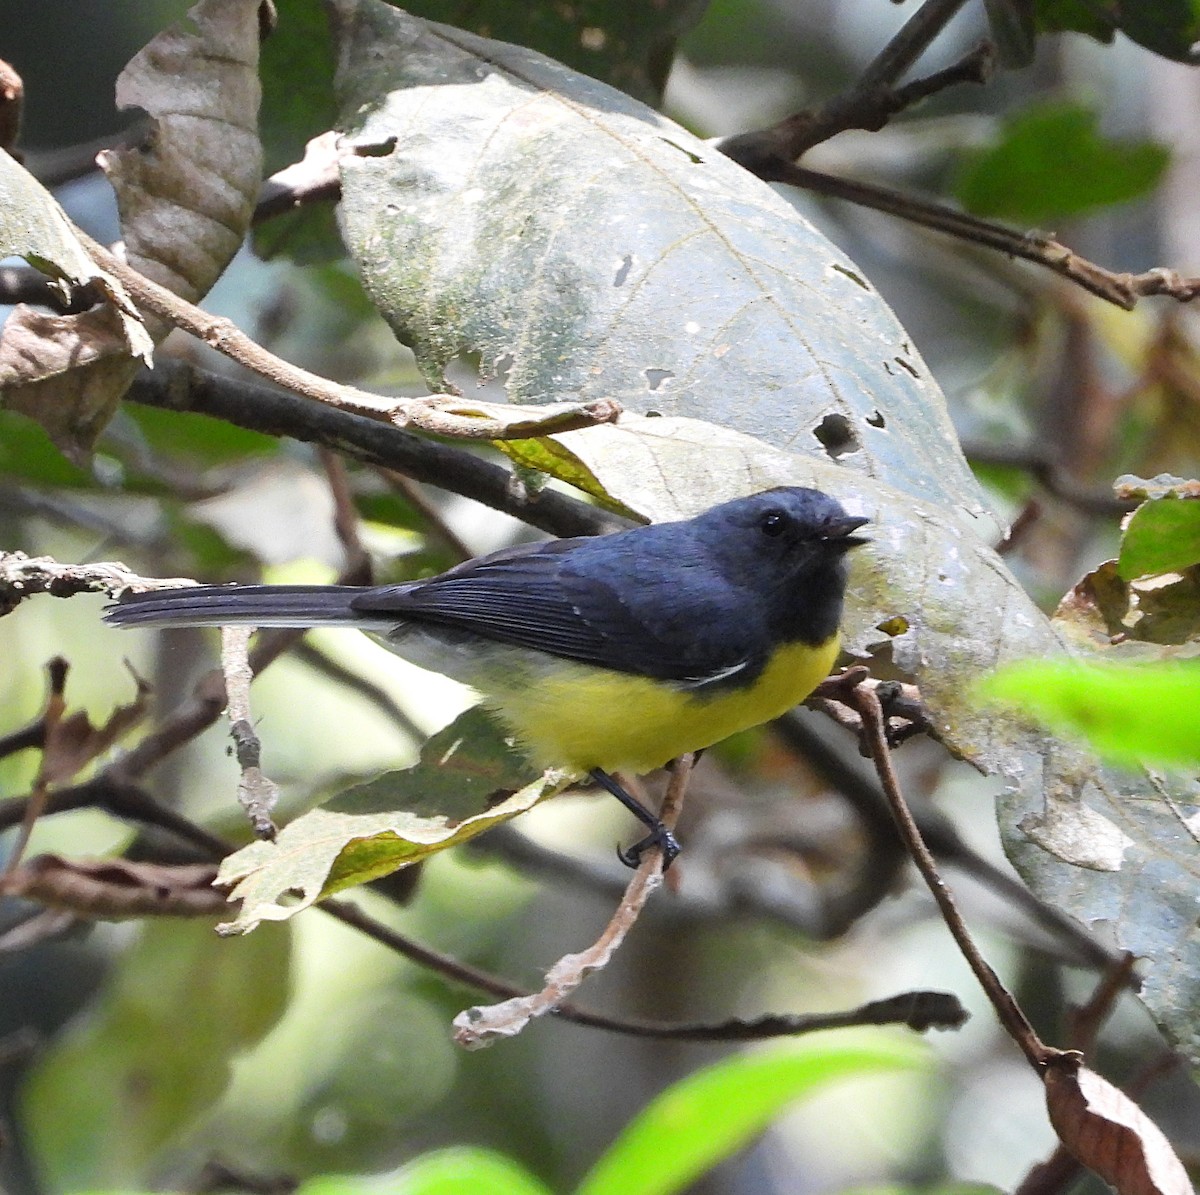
[(659, 837)]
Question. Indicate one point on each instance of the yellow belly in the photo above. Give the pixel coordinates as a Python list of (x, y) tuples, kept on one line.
[(581, 717)]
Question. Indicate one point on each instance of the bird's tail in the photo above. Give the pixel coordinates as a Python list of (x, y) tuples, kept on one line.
[(242, 605)]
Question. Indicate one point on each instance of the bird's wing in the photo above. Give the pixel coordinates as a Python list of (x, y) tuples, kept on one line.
[(555, 598)]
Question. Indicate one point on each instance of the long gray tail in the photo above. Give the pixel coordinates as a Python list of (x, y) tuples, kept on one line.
[(243, 605)]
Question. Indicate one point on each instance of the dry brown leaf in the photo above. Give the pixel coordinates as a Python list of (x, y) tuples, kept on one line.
[(186, 197), (56, 369), (108, 889), (185, 200), (66, 372), (1106, 1131), (73, 742)]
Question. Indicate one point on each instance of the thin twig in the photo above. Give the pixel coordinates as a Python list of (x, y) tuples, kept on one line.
[(124, 799), (345, 514), (314, 179), (874, 98), (39, 796), (483, 1025), (1124, 290), (948, 846), (54, 167), (1061, 1168), (257, 793), (309, 654), (438, 414), (1047, 473), (207, 701), (916, 36), (34, 735), (1011, 1017), (434, 521)]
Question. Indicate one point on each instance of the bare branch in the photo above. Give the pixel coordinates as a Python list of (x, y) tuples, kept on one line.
[(867, 106), (482, 1026), (1009, 1012), (257, 794), (1123, 290), (438, 414), (22, 576)]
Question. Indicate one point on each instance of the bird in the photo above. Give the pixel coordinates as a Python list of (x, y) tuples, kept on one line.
[(605, 654)]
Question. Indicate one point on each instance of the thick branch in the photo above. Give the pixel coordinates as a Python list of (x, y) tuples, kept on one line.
[(181, 387)]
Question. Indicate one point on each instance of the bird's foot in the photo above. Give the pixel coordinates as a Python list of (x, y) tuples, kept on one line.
[(660, 837)]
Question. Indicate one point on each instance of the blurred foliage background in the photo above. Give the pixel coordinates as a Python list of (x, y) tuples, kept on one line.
[(160, 1055)]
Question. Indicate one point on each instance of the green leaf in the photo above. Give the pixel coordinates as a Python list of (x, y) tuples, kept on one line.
[(1168, 27), (147, 1079), (1051, 163), (27, 454), (1129, 713), (1162, 536), (393, 821), (1074, 16), (452, 1171), (706, 1117), (296, 67), (198, 439)]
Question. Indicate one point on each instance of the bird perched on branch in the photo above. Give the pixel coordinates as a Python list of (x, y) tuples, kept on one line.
[(619, 652)]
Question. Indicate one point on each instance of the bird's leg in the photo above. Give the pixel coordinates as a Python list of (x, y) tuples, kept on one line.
[(659, 835)]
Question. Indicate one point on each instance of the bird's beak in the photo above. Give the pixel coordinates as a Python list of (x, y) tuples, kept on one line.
[(839, 533)]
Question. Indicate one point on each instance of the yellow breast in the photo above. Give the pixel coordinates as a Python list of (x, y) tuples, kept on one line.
[(581, 717)]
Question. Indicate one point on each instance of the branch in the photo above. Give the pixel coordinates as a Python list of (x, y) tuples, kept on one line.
[(309, 654), (870, 104), (482, 1026), (1012, 1018), (257, 793), (22, 576), (918, 1010), (438, 414), (880, 867), (177, 386), (314, 179), (1047, 473), (1123, 290)]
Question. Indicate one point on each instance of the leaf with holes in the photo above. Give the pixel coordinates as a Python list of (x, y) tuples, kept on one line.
[(467, 779), (577, 244), (1104, 845), (583, 246)]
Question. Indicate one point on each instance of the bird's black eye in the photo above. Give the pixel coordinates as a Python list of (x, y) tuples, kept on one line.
[(772, 523)]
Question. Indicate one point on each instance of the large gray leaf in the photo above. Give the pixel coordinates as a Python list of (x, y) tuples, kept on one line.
[(581, 245)]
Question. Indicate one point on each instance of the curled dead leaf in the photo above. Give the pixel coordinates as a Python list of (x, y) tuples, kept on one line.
[(1106, 1131), (73, 742)]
